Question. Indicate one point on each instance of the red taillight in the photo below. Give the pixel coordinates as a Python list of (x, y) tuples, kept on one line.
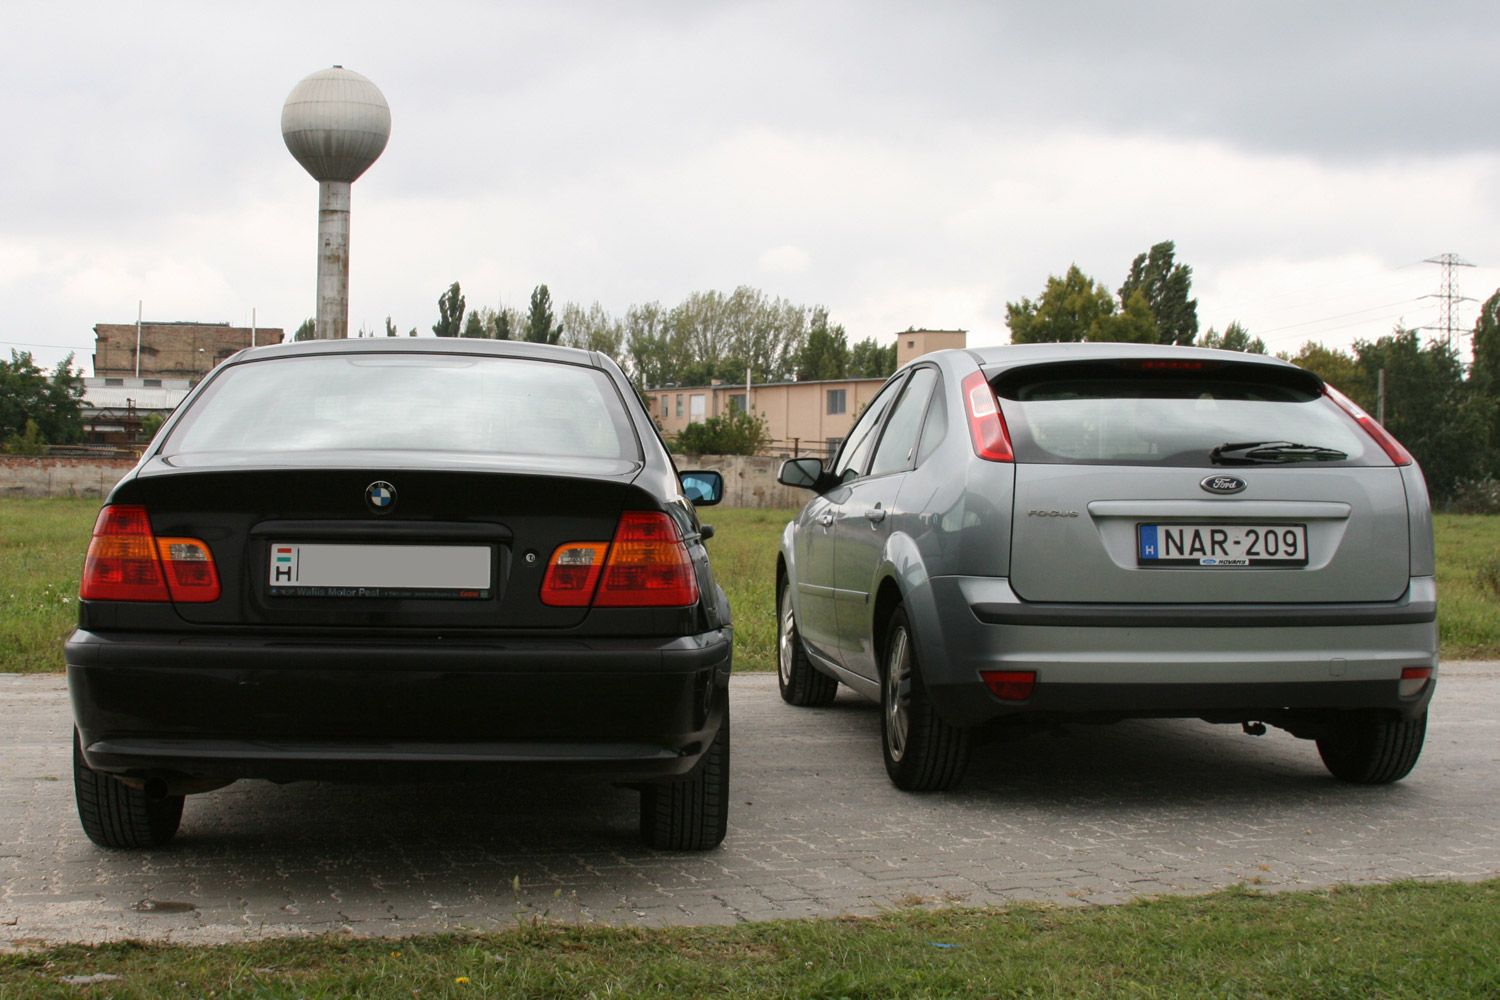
[(189, 565), (646, 565), (1413, 679), (1382, 437), (986, 424), (572, 573), (1009, 685), (125, 562)]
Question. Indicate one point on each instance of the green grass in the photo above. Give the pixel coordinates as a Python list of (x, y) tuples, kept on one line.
[(1375, 943), (743, 551), (42, 544), (1468, 579)]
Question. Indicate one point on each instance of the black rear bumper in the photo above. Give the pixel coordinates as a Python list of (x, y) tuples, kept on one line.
[(383, 708)]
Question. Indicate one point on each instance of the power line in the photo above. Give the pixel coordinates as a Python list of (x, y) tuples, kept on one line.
[(57, 347), (1326, 319)]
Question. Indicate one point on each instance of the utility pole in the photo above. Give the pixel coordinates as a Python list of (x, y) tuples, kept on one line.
[(1448, 326)]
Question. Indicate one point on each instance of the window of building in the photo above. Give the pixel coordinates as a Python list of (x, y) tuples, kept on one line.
[(679, 404), (837, 401), (665, 399), (114, 381), (151, 383), (697, 407), (737, 402)]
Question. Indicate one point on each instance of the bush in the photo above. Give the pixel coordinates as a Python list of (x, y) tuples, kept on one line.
[(1476, 496), (735, 434)]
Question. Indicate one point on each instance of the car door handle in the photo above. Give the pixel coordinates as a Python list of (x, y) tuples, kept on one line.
[(826, 520), (875, 513)]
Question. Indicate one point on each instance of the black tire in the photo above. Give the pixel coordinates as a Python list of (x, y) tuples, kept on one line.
[(801, 683), (1369, 749), (922, 752), (691, 814), (115, 815)]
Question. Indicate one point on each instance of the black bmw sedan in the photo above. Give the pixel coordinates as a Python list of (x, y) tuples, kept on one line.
[(384, 560)]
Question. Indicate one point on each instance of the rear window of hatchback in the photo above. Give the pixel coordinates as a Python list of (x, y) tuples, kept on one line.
[(1135, 414)]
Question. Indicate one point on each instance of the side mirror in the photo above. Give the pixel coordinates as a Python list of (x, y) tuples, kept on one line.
[(804, 473), (703, 489)]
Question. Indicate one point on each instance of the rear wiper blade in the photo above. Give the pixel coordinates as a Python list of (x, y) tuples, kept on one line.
[(1258, 452)]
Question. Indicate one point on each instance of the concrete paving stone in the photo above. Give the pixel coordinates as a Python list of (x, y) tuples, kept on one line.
[(1095, 816)]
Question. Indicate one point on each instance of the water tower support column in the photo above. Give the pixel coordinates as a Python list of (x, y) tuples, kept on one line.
[(333, 260)]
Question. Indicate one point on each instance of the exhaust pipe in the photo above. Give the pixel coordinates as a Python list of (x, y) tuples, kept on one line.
[(156, 788)]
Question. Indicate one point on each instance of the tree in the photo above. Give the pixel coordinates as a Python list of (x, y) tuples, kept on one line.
[(1333, 366), (474, 327), (29, 397), (592, 329), (825, 352), (150, 424), (1166, 286), (1071, 308), (1429, 407), (450, 312), (867, 359), (503, 324), (1484, 373), (1234, 338), (736, 433), (541, 326), (390, 328), (307, 331), (29, 443)]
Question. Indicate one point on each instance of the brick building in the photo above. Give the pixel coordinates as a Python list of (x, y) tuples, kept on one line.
[(172, 350)]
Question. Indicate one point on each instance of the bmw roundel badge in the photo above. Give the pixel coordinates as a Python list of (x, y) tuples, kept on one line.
[(1222, 484), (381, 496)]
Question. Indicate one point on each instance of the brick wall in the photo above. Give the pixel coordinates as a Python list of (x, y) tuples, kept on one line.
[(44, 476)]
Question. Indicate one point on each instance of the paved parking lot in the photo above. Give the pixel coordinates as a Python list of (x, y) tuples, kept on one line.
[(1095, 815)]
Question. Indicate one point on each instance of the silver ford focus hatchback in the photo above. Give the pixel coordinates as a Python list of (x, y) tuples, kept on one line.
[(1027, 535)]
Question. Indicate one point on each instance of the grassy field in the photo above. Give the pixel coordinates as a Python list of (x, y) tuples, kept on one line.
[(1375, 943), (42, 544)]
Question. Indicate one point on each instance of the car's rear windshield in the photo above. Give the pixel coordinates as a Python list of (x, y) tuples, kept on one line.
[(420, 402), (1221, 415)]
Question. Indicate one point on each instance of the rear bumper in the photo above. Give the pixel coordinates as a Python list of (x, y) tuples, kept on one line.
[(289, 707), (1221, 662)]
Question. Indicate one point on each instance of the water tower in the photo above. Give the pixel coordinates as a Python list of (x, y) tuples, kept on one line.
[(336, 123)]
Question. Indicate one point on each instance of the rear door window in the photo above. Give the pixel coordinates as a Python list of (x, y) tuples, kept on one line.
[(1156, 414)]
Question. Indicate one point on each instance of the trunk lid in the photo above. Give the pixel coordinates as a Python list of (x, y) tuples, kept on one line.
[(458, 548)]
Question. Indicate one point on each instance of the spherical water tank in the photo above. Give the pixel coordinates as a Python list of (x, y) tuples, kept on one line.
[(336, 123)]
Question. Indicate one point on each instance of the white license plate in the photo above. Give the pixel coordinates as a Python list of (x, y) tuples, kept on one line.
[(409, 571), (1221, 545)]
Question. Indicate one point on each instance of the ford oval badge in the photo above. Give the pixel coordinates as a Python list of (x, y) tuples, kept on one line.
[(1223, 484), (381, 496)]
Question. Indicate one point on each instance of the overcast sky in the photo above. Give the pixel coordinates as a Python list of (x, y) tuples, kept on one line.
[(902, 164)]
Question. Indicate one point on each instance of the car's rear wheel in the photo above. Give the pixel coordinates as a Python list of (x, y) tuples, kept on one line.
[(922, 752), (1370, 749), (691, 814), (801, 683), (115, 815)]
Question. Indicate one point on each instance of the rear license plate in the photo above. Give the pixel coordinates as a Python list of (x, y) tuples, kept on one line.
[(1216, 545), (453, 572)]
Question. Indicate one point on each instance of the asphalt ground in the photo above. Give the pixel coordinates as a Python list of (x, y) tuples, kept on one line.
[(1094, 815)]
